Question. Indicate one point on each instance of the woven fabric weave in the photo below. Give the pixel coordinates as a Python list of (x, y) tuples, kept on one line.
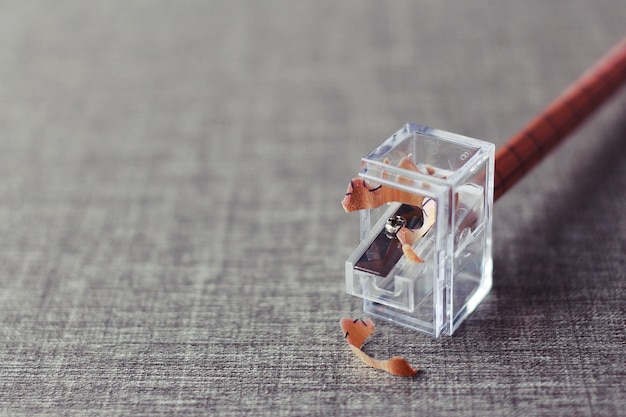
[(171, 235)]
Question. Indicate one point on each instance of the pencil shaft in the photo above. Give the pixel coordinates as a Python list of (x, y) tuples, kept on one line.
[(561, 117)]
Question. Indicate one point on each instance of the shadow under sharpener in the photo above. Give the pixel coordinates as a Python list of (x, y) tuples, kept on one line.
[(455, 177)]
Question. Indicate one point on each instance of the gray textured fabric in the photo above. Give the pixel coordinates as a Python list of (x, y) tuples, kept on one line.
[(170, 230)]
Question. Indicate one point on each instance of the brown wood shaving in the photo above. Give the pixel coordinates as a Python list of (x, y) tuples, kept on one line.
[(356, 331)]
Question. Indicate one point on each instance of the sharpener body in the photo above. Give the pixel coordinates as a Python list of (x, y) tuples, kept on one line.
[(455, 177)]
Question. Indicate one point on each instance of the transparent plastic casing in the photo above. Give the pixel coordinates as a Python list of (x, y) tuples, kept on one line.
[(455, 177)]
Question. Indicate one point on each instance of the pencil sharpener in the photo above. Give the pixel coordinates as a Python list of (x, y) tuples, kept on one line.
[(439, 186)]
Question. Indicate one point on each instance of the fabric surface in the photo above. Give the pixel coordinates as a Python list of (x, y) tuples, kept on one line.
[(171, 237)]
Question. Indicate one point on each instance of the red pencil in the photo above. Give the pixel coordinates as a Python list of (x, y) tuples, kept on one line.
[(561, 117)]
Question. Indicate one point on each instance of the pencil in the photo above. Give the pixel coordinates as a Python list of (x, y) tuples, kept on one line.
[(568, 111)]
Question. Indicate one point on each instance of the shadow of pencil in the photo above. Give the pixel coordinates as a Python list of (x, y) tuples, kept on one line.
[(551, 254)]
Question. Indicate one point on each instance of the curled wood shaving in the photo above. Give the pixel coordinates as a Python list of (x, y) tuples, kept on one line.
[(356, 331)]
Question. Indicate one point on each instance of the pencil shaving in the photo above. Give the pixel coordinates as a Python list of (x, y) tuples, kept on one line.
[(361, 195), (356, 331)]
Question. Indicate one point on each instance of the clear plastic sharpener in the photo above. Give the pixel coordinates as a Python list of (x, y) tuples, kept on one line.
[(448, 190)]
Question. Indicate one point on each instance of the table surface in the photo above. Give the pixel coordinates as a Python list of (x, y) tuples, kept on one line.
[(171, 235)]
